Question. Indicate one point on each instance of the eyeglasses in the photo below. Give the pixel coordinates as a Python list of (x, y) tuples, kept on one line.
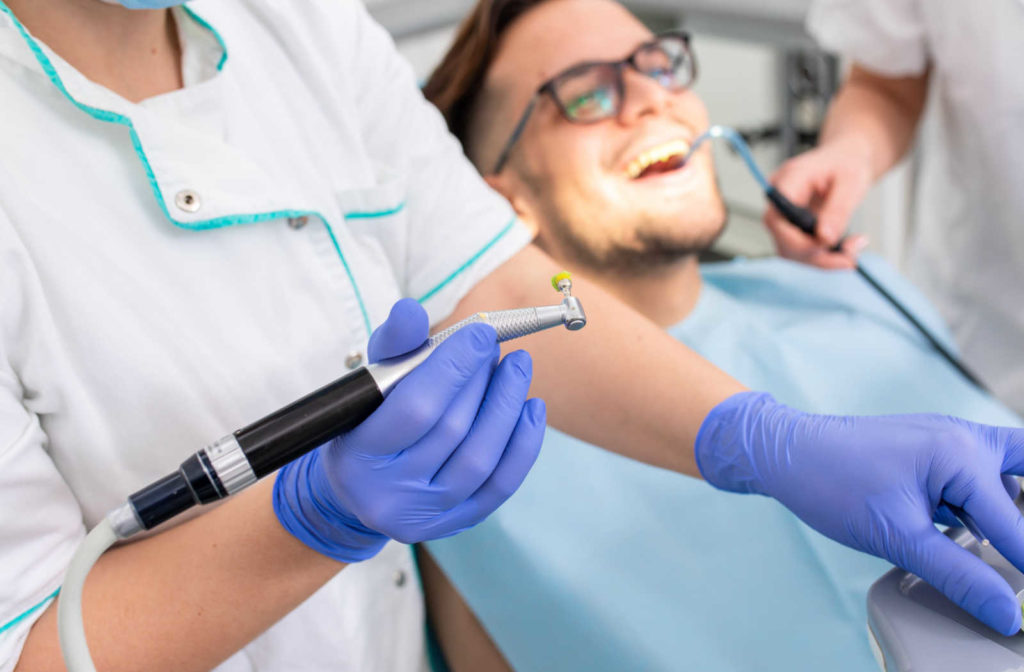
[(593, 91)]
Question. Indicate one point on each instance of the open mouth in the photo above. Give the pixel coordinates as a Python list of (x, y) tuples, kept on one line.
[(659, 160)]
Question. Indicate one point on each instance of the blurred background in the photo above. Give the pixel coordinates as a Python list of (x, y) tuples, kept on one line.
[(759, 71)]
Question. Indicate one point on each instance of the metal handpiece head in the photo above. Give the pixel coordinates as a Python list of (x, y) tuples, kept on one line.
[(573, 316)]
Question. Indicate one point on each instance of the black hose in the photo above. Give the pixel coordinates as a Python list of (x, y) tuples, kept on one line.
[(807, 221)]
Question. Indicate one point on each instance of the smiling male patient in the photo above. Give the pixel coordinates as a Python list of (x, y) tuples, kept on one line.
[(580, 116)]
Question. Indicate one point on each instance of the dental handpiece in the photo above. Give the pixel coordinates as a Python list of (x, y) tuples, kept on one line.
[(807, 221), (239, 459)]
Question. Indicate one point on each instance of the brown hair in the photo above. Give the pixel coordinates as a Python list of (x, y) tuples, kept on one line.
[(456, 83)]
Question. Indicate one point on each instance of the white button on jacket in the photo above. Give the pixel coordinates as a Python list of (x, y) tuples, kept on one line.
[(172, 270)]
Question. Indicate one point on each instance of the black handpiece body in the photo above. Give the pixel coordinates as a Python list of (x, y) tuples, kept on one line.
[(802, 218), (267, 444), (293, 431)]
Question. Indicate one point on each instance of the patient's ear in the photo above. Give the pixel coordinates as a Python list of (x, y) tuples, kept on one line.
[(508, 187)]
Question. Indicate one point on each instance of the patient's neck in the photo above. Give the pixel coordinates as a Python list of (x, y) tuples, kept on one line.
[(666, 295)]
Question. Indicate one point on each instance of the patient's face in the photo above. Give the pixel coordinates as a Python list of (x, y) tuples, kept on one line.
[(576, 177)]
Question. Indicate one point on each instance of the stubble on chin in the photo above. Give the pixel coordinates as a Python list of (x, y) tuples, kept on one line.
[(651, 247)]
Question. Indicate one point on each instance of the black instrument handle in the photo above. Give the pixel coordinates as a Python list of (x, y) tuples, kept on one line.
[(800, 217)]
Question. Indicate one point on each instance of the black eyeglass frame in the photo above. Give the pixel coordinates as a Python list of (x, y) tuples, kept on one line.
[(548, 87)]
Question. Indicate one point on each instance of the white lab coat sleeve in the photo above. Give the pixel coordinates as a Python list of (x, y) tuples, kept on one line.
[(885, 36), (40, 520), (457, 229)]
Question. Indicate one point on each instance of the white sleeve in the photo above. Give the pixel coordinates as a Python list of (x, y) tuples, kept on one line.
[(40, 521), (885, 36), (458, 228)]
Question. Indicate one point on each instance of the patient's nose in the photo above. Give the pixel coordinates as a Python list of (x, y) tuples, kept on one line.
[(644, 96)]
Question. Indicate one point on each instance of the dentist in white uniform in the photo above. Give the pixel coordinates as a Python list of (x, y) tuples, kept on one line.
[(180, 265), (947, 72), (203, 213)]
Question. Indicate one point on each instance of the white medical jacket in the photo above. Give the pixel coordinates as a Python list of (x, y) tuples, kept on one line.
[(967, 241), (173, 270)]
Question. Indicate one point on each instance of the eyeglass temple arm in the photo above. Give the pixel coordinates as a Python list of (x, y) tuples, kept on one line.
[(503, 157)]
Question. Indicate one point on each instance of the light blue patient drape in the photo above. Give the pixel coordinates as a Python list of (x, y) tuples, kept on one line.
[(603, 563)]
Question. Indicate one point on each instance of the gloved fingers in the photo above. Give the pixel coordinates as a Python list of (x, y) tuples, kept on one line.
[(1011, 442), (515, 463), (419, 400), (944, 516), (406, 329), (426, 456), (477, 457), (966, 580), (1012, 485), (999, 519)]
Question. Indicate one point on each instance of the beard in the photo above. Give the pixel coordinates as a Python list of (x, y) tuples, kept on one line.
[(651, 248), (652, 243)]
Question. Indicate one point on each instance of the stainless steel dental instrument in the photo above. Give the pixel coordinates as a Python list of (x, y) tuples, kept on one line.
[(807, 221), (239, 459)]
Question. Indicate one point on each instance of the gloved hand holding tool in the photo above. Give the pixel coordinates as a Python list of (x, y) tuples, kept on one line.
[(424, 442), (452, 442), (876, 483)]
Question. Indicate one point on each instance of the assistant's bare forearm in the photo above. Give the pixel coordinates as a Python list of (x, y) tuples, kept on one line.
[(621, 383), (188, 598), (876, 117)]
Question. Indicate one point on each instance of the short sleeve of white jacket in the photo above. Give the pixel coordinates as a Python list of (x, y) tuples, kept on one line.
[(457, 228), (884, 36), (40, 521)]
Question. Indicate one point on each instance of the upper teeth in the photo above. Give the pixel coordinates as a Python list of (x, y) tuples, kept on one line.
[(655, 155)]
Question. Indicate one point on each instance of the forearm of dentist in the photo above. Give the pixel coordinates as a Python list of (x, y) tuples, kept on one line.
[(879, 114), (144, 601), (449, 444), (146, 606), (872, 483), (621, 383)]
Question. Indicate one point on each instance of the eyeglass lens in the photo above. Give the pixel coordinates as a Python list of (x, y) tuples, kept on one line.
[(594, 92), (590, 94)]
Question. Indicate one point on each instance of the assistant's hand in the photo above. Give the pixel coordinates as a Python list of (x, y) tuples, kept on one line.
[(874, 483), (450, 444), (832, 180)]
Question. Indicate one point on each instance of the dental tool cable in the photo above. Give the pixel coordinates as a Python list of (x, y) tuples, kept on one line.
[(238, 460), (807, 221)]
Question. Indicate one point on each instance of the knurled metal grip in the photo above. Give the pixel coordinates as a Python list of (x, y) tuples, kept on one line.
[(508, 324), (442, 336), (230, 464)]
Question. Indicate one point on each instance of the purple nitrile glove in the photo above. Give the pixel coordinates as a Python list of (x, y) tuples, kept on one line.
[(453, 440), (875, 484)]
